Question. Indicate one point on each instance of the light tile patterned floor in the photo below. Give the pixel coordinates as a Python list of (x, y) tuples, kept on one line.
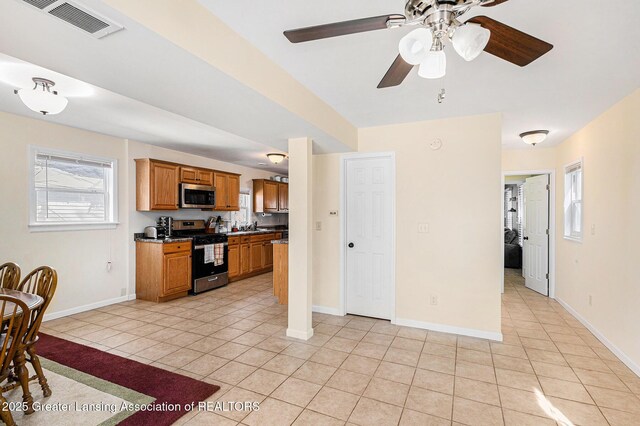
[(548, 370)]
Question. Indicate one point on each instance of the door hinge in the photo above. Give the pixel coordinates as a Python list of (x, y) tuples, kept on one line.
[(547, 276), (548, 187), (547, 232)]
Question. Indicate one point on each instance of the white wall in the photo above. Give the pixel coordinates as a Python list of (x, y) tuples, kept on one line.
[(456, 190), (80, 257), (604, 265)]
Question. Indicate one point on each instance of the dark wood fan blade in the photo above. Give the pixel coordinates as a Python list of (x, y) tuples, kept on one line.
[(339, 28), (495, 3), (396, 73), (510, 44)]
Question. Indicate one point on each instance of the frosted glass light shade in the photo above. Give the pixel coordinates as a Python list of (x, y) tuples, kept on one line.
[(415, 46), (470, 40), (534, 137), (43, 101), (434, 65)]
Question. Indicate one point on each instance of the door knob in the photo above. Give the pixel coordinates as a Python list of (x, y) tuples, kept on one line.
[(351, 245)]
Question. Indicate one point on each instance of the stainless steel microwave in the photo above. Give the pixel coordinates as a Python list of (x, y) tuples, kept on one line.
[(197, 196)]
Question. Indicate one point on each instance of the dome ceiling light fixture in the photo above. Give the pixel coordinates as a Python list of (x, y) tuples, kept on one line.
[(534, 137), (438, 22), (276, 158), (41, 98)]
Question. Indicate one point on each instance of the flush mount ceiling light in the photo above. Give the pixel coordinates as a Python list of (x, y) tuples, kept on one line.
[(41, 98), (276, 158), (534, 137), (437, 22)]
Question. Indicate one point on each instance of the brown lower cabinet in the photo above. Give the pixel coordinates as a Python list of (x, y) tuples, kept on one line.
[(250, 255), (163, 270)]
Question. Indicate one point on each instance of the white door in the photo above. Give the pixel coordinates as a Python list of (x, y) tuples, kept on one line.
[(536, 234), (369, 237)]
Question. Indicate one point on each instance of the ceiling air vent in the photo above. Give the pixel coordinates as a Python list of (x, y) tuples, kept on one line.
[(77, 15), (40, 4)]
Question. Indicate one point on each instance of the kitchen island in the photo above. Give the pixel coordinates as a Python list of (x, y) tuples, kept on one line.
[(281, 270)]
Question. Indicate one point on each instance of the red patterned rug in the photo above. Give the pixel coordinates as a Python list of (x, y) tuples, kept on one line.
[(164, 387)]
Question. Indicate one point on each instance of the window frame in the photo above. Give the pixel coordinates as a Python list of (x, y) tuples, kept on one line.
[(568, 232), (35, 226)]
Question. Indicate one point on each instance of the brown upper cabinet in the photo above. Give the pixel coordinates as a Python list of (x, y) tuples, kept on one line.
[(227, 191), (196, 176), (270, 196), (156, 185), (158, 182)]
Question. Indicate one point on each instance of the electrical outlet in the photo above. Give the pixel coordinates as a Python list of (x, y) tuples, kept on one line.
[(434, 300), (318, 226), (423, 228), (593, 229), (123, 291), (109, 265), (590, 300)]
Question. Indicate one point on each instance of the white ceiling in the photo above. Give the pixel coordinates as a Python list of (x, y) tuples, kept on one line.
[(594, 63), (102, 111), (148, 89)]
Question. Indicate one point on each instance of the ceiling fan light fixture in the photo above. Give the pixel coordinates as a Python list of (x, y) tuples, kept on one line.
[(275, 157), (434, 66), (469, 40), (41, 98), (414, 47), (534, 137)]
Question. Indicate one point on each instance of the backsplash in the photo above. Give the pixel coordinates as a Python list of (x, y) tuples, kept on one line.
[(186, 214)]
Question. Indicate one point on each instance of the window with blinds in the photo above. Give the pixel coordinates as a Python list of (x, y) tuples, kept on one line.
[(70, 189), (573, 201)]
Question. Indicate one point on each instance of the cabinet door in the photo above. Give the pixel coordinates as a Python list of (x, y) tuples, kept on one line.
[(283, 197), (177, 273), (164, 186), (222, 191), (188, 175), (205, 177), (268, 254), (245, 259), (234, 260), (256, 256), (234, 192), (270, 195)]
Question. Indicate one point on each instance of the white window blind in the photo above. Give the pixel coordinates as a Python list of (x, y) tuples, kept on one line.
[(71, 189), (573, 201)]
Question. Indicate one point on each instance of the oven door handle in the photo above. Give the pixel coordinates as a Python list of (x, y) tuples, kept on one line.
[(202, 246)]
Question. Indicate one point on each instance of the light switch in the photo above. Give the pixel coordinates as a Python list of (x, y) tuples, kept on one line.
[(593, 229), (333, 213), (423, 228), (318, 226)]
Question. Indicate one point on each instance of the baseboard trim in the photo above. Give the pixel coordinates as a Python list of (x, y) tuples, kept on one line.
[(450, 329), (302, 335), (326, 310), (613, 348), (84, 308)]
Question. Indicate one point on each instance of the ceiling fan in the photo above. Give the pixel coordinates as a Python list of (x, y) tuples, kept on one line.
[(437, 22)]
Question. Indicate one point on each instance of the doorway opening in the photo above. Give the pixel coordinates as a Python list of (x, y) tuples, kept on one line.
[(529, 230)]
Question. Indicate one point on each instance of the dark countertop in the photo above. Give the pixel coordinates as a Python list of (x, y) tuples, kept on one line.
[(165, 240), (283, 241), (261, 231)]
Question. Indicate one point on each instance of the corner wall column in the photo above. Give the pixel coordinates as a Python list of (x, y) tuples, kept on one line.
[(300, 234)]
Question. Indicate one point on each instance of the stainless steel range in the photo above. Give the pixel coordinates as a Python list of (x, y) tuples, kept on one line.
[(209, 255)]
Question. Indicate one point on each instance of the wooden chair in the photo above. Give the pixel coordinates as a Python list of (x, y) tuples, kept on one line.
[(9, 275), (43, 282), (14, 326)]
